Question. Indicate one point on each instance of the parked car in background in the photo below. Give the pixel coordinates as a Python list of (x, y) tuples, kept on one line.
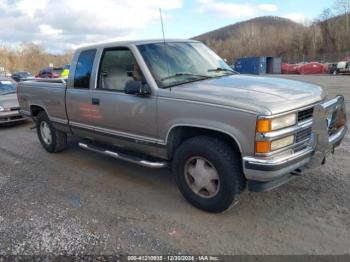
[(305, 68), (50, 72), (290, 68), (343, 67), (9, 107), (312, 68), (22, 76), (332, 67)]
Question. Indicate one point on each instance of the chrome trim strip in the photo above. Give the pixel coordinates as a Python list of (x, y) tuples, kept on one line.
[(124, 134), (280, 160), (59, 120), (76, 124), (117, 133)]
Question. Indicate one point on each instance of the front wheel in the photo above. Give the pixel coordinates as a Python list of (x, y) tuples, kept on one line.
[(50, 138), (208, 173)]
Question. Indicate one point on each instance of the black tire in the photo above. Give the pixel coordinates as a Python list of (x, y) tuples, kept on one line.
[(227, 162), (59, 139)]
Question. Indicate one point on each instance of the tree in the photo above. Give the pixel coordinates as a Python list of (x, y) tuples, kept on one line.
[(30, 57), (343, 8)]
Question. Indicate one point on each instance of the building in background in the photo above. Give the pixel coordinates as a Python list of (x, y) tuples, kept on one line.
[(259, 65)]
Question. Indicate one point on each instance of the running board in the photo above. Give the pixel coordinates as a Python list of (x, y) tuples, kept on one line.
[(125, 157)]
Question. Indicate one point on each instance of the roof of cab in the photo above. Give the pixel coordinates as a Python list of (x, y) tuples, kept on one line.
[(135, 42)]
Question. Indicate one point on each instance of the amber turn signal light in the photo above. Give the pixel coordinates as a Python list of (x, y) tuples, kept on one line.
[(263, 125), (262, 146)]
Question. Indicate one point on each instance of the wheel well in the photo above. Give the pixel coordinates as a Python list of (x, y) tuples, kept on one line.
[(180, 134), (35, 110)]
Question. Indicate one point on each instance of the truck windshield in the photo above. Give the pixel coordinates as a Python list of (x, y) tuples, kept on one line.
[(7, 87), (174, 63)]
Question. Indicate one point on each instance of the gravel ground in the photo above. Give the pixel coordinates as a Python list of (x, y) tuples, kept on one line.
[(78, 202)]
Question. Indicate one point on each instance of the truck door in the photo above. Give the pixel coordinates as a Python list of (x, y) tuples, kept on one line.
[(124, 118), (78, 96)]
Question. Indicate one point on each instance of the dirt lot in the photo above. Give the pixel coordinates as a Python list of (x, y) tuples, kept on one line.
[(81, 202)]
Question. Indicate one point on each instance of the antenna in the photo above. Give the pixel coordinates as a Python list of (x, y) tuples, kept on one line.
[(161, 21)]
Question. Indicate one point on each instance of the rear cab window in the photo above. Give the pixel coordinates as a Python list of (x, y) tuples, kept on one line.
[(84, 68)]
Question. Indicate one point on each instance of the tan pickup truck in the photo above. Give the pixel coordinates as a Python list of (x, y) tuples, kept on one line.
[(177, 104)]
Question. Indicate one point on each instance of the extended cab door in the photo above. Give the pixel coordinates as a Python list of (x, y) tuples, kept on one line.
[(124, 119), (78, 96)]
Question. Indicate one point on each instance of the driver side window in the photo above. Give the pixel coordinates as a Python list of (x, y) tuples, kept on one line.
[(118, 67)]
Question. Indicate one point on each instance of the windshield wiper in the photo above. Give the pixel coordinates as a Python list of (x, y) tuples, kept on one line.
[(183, 74), (220, 69)]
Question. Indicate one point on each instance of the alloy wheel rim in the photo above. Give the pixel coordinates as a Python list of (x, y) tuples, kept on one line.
[(45, 133), (202, 177)]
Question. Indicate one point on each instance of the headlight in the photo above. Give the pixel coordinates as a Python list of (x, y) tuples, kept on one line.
[(283, 121), (270, 146), (271, 124), (2, 109), (283, 142)]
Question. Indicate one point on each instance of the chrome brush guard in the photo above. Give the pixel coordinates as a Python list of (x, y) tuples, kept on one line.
[(328, 129)]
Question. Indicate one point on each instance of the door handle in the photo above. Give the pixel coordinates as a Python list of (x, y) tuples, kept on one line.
[(95, 101)]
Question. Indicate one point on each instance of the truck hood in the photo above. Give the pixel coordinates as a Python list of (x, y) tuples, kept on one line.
[(264, 95), (9, 101)]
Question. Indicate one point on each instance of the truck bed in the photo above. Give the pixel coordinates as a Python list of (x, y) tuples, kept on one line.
[(48, 94)]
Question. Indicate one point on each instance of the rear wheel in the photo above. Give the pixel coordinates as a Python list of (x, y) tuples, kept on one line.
[(51, 139), (208, 173)]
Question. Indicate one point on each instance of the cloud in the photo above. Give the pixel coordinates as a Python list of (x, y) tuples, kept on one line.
[(298, 18), (268, 7), (60, 24), (234, 10)]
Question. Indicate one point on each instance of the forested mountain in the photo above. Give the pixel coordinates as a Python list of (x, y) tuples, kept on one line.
[(326, 39)]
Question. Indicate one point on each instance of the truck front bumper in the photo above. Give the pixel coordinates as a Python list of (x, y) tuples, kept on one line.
[(328, 129)]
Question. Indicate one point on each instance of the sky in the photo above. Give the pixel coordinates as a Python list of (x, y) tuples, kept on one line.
[(60, 25)]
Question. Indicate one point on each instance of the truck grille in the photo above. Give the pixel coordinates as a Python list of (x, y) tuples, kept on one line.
[(303, 135), (305, 114), (299, 148)]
